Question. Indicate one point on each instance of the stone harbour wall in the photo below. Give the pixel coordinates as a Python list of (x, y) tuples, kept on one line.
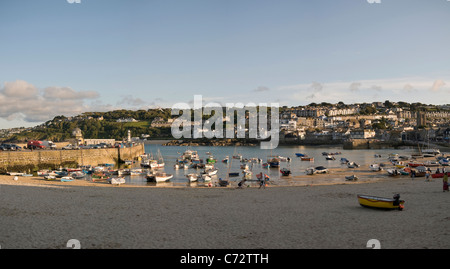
[(81, 157)]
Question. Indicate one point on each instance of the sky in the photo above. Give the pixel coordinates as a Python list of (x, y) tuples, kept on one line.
[(61, 58)]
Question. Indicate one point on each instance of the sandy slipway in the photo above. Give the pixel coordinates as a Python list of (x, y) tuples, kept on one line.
[(38, 214)]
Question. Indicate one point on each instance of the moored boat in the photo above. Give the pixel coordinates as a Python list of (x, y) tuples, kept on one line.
[(439, 175), (66, 179), (116, 180), (192, 177), (285, 172), (375, 167), (352, 165), (158, 177), (311, 159), (274, 161), (414, 164), (380, 202)]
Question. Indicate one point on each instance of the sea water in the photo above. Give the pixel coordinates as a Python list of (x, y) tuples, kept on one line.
[(170, 154)]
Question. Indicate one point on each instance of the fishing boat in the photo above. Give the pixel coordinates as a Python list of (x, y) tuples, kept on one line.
[(393, 172), (42, 173), (432, 152), (321, 170), (135, 172), (300, 154), (405, 171), (344, 161), (444, 162), (306, 158), (226, 160), (158, 177), (206, 177), (189, 155), (399, 164), (78, 175), (421, 171), (414, 164), (211, 159), (233, 174), (274, 161), (439, 175), (431, 164), (15, 173), (330, 158), (210, 172), (375, 167), (351, 178), (66, 179), (192, 177), (379, 202), (223, 183), (352, 165), (316, 170), (116, 180), (285, 172), (50, 177)]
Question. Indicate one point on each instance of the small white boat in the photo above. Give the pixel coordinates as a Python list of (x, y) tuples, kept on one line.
[(192, 177), (42, 173), (78, 175), (316, 170), (206, 177), (116, 180), (15, 173), (352, 165), (66, 179), (211, 172), (50, 177), (375, 167), (135, 172)]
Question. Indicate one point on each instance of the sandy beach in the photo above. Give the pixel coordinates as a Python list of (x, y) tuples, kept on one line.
[(36, 213)]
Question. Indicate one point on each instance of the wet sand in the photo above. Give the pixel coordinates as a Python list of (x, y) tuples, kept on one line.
[(36, 213)]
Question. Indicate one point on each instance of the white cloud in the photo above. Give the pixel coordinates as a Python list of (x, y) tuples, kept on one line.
[(68, 93), (20, 100), (393, 89), (437, 84)]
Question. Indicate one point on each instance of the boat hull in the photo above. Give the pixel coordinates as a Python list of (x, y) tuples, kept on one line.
[(379, 202)]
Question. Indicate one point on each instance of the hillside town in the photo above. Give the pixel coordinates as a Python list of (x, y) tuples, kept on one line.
[(386, 122), (378, 121)]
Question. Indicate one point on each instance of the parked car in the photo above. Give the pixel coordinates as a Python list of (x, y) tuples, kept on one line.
[(49, 144), (35, 144), (70, 146)]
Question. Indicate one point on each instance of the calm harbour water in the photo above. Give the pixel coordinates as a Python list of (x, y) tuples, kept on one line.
[(297, 167)]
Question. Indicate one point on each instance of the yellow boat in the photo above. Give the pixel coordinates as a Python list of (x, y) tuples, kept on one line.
[(380, 202)]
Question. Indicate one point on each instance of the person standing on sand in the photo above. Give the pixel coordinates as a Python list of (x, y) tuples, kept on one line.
[(445, 181), (262, 182), (427, 175)]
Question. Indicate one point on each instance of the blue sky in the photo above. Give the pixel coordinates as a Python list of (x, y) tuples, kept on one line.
[(58, 58)]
